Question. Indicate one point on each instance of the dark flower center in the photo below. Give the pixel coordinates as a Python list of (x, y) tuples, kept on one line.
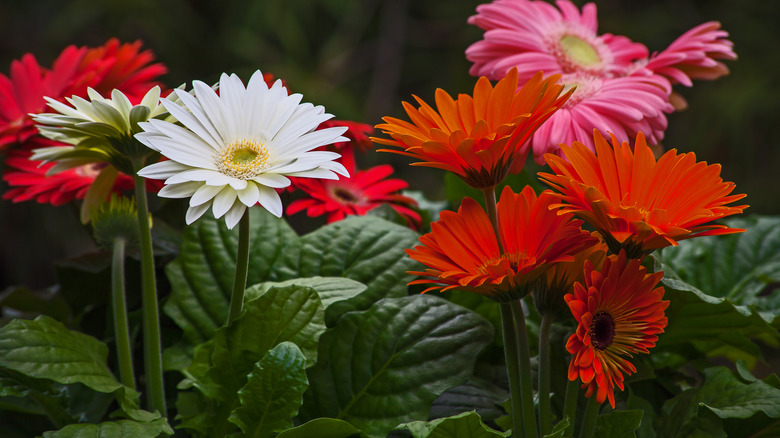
[(602, 330), (345, 195)]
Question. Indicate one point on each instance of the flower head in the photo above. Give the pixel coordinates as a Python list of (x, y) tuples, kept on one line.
[(619, 313), (233, 149), (637, 203), (462, 252), (356, 195), (479, 138), (623, 106), (535, 35), (695, 55)]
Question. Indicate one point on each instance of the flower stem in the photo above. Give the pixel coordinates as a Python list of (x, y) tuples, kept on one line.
[(151, 314), (119, 307), (242, 269), (524, 356), (545, 420), (512, 367), (589, 420), (491, 204), (570, 406)]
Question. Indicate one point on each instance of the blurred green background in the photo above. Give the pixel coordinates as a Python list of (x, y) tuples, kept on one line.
[(361, 58)]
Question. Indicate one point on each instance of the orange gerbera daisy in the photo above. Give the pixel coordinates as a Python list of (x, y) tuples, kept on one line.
[(637, 203), (462, 252), (619, 314), (478, 138)]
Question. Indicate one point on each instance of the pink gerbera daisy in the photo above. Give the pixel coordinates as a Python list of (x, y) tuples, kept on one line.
[(357, 195), (695, 55), (536, 36), (623, 106)]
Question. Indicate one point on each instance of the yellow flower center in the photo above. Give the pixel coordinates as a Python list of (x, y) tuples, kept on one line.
[(243, 159), (579, 50)]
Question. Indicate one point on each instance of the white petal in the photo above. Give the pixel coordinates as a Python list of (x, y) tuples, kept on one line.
[(196, 211), (315, 173), (183, 190), (162, 170), (234, 214), (249, 195), (215, 110), (193, 126), (204, 194), (152, 98), (271, 201), (210, 177), (193, 154), (195, 108), (223, 201), (311, 141), (238, 184), (273, 180), (231, 92), (282, 113)]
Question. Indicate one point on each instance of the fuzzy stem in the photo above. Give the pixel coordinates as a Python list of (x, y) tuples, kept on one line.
[(242, 269), (589, 420), (151, 314), (545, 420), (524, 356), (512, 368), (570, 406), (119, 307)]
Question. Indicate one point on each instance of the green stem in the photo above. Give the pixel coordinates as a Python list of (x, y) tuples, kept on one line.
[(545, 419), (490, 202), (570, 406), (151, 314), (589, 420), (512, 367), (242, 269), (121, 330), (524, 356)]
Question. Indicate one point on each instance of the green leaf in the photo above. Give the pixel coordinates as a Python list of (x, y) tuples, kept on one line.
[(273, 392), (465, 425), (330, 290), (559, 430), (323, 428), (737, 266), (113, 429), (45, 349), (202, 276), (722, 396), (619, 424), (384, 366), (221, 366), (477, 394), (714, 326), (368, 250)]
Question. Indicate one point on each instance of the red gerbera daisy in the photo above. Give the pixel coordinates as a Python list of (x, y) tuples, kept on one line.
[(637, 203), (478, 138), (357, 195), (619, 313), (462, 252)]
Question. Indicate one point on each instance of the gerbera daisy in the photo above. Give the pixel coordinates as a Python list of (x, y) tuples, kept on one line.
[(356, 195), (235, 148), (637, 203), (623, 106), (75, 69), (619, 313), (478, 138), (535, 35), (695, 55), (462, 252), (358, 138)]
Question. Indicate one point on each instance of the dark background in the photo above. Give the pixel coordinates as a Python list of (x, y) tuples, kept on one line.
[(361, 58)]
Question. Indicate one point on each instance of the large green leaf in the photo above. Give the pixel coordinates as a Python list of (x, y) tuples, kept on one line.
[(273, 392), (384, 366), (369, 250), (112, 429), (715, 326), (721, 396), (221, 366), (44, 351), (619, 424), (202, 276), (465, 425), (323, 428), (738, 266)]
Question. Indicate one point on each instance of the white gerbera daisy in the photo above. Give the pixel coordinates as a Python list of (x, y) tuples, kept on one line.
[(234, 149)]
